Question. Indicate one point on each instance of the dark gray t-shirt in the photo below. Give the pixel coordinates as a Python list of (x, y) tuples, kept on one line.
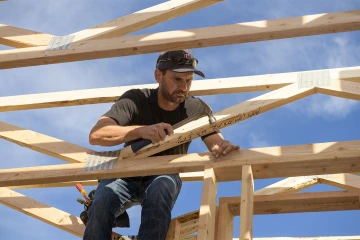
[(140, 107)]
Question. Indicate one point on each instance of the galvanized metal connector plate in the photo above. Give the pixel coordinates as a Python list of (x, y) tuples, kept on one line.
[(102, 160), (313, 79), (60, 43)]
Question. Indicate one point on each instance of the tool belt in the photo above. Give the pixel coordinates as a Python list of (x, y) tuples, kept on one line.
[(122, 220)]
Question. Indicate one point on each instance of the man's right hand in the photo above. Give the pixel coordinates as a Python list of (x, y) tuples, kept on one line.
[(155, 133)]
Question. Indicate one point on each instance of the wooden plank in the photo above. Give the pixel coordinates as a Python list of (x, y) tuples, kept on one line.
[(185, 177), (298, 202), (106, 95), (341, 88), (22, 38), (45, 213), (174, 230), (198, 88), (207, 217), (247, 203), (142, 19), (225, 223), (343, 180), (191, 38), (45, 144), (224, 118), (42, 212), (270, 162), (60, 149), (288, 185), (189, 227)]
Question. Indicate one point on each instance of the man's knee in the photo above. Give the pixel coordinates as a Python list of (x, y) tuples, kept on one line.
[(165, 188)]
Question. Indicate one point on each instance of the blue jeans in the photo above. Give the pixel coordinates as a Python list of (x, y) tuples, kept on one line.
[(156, 194)]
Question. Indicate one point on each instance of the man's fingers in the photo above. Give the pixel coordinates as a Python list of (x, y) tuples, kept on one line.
[(169, 129), (228, 149)]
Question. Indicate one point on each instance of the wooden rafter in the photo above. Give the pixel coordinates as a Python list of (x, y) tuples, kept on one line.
[(198, 88), (142, 19), (45, 213), (346, 181), (271, 162), (22, 38), (289, 185), (42, 212), (191, 38), (45, 144), (60, 149), (341, 88)]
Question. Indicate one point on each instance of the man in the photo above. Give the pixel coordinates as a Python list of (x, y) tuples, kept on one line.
[(148, 114)]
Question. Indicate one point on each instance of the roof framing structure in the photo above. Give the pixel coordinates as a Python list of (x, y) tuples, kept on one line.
[(302, 166)]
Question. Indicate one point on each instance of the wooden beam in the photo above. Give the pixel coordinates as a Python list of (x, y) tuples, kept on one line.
[(45, 144), (42, 212), (191, 38), (298, 202), (343, 180), (247, 203), (225, 223), (174, 230), (288, 185), (271, 162), (189, 227), (106, 95), (45, 213), (187, 132), (60, 149), (208, 206), (22, 38), (341, 88), (142, 19), (185, 177), (224, 118), (198, 88), (291, 203)]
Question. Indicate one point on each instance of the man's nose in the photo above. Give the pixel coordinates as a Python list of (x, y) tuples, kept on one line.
[(183, 86)]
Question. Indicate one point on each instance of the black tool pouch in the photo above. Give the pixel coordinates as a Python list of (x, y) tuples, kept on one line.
[(122, 221)]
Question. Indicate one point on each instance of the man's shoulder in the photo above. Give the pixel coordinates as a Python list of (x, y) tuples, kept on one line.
[(193, 105), (138, 93)]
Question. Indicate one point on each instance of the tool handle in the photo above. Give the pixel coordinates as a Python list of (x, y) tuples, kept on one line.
[(142, 143), (79, 187)]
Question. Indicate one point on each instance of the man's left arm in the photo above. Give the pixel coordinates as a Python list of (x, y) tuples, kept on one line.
[(218, 146)]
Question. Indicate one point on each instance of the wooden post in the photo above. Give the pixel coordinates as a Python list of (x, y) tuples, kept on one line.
[(225, 223), (208, 206), (247, 203)]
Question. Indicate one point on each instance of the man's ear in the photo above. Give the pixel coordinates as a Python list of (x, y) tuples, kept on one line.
[(158, 75)]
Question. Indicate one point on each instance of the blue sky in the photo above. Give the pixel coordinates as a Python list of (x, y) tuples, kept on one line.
[(317, 118)]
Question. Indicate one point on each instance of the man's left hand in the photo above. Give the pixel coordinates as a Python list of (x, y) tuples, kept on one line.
[(222, 147)]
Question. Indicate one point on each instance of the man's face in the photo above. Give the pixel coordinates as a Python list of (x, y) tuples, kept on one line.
[(175, 86)]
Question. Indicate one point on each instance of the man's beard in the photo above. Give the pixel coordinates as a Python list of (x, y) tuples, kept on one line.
[(178, 96)]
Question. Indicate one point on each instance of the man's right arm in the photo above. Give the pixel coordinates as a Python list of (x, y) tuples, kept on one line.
[(107, 132)]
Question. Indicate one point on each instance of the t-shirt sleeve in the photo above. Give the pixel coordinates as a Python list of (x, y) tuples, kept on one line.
[(124, 110)]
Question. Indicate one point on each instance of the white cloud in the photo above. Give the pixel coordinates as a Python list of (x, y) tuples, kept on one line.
[(257, 140), (326, 107)]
